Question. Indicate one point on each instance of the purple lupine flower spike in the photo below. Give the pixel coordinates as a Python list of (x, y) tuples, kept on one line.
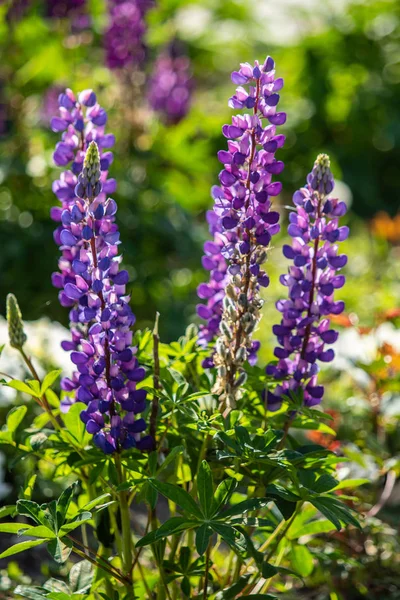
[(93, 286), (124, 38), (304, 331), (171, 84), (243, 224)]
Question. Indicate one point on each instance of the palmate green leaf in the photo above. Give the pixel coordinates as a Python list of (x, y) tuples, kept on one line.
[(231, 592), (243, 507), (31, 509), (203, 535), (205, 488), (173, 525), (20, 547), (177, 495), (76, 522), (20, 386), (12, 527), (49, 380), (73, 423), (60, 550), (223, 493), (268, 570), (39, 531), (171, 457), (231, 536), (302, 560), (95, 502), (335, 511), (63, 503)]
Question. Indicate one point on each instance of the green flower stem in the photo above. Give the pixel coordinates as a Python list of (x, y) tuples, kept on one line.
[(45, 404), (279, 534), (206, 575), (127, 547), (94, 562)]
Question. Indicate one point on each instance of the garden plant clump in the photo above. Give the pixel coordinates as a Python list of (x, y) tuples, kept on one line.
[(184, 466)]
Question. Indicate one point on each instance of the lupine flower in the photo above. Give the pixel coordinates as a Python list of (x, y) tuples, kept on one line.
[(91, 284), (123, 40), (243, 224), (170, 87), (16, 331), (304, 331)]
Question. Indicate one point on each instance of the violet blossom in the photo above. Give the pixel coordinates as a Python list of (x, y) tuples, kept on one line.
[(124, 38), (304, 331), (91, 283), (170, 86), (243, 222)]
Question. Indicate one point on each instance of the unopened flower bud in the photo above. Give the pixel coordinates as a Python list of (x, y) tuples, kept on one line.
[(89, 185), (241, 380), (225, 329), (241, 354), (15, 325), (191, 331)]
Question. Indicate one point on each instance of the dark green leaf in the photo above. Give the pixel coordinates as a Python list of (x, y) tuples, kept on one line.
[(171, 457), (63, 503), (223, 493), (231, 592), (185, 586), (203, 535), (177, 495), (173, 525), (268, 570), (243, 507), (205, 488), (231, 536)]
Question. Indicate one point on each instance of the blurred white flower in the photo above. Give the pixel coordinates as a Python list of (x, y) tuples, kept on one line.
[(43, 344)]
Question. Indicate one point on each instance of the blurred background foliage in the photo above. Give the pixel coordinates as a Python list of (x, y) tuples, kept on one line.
[(341, 64)]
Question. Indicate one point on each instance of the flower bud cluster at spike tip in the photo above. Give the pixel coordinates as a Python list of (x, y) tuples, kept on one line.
[(304, 331), (94, 288), (242, 223), (89, 185), (16, 331)]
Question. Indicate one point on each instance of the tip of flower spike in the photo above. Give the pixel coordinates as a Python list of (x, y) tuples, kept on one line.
[(92, 157), (89, 185), (16, 332), (321, 175)]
